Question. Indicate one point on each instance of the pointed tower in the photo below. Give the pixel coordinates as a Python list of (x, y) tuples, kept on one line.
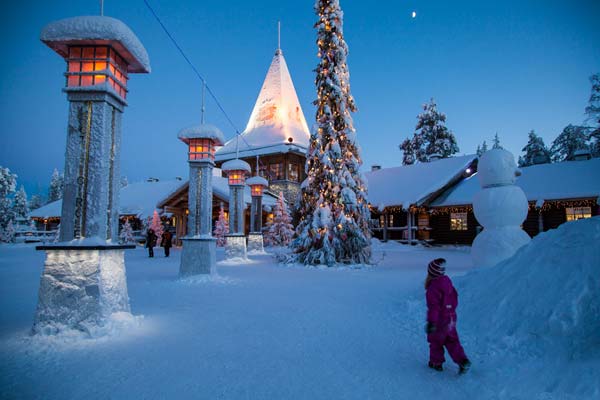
[(276, 132)]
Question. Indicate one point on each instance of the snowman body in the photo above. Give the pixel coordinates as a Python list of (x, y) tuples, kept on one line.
[(500, 207)]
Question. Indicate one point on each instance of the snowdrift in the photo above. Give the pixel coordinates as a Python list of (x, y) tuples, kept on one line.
[(547, 294)]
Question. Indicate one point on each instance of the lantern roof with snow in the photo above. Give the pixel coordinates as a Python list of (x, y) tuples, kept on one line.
[(202, 131), (97, 30), (277, 123), (236, 165), (257, 181)]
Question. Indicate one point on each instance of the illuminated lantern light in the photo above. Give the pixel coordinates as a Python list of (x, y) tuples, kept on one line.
[(202, 141), (96, 65), (236, 171), (257, 185)]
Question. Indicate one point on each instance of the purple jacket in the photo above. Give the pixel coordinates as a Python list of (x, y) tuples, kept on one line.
[(442, 300)]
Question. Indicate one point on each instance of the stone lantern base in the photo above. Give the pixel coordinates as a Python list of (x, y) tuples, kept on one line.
[(255, 242), (199, 256), (81, 287), (235, 246)]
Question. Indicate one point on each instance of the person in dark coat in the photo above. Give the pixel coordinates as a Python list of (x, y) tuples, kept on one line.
[(150, 242), (167, 242), (442, 300)]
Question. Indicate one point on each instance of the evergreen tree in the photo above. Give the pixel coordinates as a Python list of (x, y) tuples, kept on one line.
[(535, 150), (7, 235), (35, 202), (496, 143), (571, 139), (8, 183), (434, 134), (593, 115), (334, 225), (20, 207), (55, 191), (56, 238), (221, 228), (482, 149), (280, 231), (126, 234), (408, 151)]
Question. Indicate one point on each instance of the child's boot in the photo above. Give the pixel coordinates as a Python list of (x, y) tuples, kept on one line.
[(464, 366), (436, 367)]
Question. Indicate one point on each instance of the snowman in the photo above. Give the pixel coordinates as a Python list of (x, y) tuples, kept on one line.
[(500, 207)]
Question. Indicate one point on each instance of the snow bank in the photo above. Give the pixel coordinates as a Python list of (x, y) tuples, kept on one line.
[(547, 294)]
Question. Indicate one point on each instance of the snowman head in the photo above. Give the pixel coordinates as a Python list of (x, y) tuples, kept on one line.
[(497, 167)]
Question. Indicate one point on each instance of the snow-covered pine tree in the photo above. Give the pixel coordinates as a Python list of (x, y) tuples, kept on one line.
[(408, 157), (126, 235), (56, 238), (435, 136), (55, 191), (8, 183), (571, 139), (535, 151), (35, 202), (482, 149), (280, 231), (221, 228), (593, 115), (334, 223), (496, 142), (157, 227), (8, 233), (20, 206)]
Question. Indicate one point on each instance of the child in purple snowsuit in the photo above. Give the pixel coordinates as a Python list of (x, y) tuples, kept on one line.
[(442, 300)]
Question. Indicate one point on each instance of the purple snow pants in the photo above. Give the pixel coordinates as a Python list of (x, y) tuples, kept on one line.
[(445, 337)]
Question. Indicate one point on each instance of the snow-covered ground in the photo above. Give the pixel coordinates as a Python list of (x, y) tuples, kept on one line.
[(265, 331)]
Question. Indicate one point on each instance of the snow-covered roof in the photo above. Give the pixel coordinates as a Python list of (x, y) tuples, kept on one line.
[(565, 180), (276, 118), (257, 180), (414, 184), (96, 29), (202, 131), (139, 199), (236, 165)]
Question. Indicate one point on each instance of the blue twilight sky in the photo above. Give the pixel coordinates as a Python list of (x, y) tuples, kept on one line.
[(493, 66)]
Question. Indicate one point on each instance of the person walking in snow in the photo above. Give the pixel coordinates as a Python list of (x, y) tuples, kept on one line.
[(166, 242), (442, 300), (151, 242)]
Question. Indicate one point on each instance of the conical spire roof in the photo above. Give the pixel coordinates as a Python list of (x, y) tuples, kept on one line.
[(276, 118)]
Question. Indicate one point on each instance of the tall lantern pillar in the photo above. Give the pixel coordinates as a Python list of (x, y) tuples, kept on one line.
[(83, 281), (236, 171), (255, 237), (199, 247)]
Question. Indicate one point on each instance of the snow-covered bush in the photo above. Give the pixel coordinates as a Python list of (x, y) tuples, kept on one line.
[(280, 231), (126, 235), (221, 228)]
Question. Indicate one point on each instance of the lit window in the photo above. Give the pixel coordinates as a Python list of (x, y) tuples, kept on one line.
[(276, 171), (575, 213), (458, 221), (293, 172)]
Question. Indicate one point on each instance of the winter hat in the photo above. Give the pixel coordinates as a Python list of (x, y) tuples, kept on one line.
[(436, 267)]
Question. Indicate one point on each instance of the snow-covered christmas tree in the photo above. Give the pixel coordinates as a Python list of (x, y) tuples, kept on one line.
[(408, 152), (593, 116), (571, 139), (333, 227), (431, 136), (280, 231), (535, 150), (126, 235), (221, 228), (35, 202), (55, 191), (8, 183), (20, 206), (157, 226), (8, 233)]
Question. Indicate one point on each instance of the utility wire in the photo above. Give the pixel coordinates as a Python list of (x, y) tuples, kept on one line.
[(195, 70)]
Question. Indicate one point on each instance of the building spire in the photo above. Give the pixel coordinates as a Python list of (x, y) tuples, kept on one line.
[(278, 51), (102, 8)]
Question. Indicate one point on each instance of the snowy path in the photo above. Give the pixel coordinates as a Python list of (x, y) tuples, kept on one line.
[(260, 331)]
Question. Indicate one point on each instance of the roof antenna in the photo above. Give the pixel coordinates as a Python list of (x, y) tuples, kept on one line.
[(102, 8), (237, 146), (203, 108), (279, 35)]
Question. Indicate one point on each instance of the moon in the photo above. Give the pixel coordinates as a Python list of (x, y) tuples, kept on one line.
[(414, 14)]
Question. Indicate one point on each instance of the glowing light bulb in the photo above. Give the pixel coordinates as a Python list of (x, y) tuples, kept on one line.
[(414, 14)]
